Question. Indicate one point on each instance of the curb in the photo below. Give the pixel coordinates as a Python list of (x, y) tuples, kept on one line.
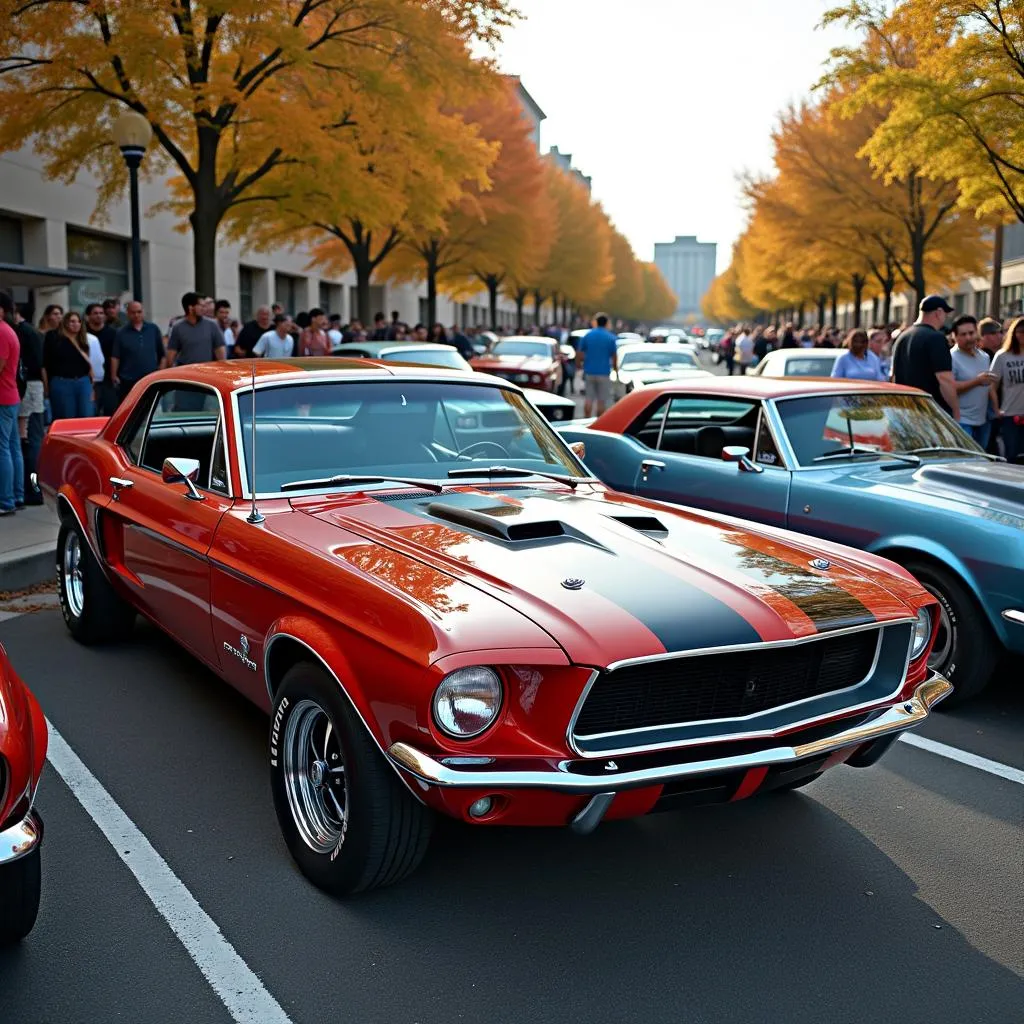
[(27, 566)]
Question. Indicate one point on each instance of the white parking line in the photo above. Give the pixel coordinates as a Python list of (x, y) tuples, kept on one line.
[(237, 987), (1004, 771)]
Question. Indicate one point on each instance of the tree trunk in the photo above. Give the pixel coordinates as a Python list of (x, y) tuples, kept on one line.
[(206, 215), (520, 298), (492, 295), (821, 310), (833, 294), (364, 271), (996, 283), (858, 294), (538, 302), (800, 315), (431, 263)]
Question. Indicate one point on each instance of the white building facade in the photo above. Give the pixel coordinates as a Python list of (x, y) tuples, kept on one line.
[(52, 251), (689, 268)]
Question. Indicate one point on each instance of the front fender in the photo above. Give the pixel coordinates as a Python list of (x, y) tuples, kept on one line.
[(612, 458)]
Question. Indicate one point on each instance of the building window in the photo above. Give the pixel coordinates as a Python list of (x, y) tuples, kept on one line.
[(11, 247), (105, 260), (1011, 296), (331, 298), (287, 291), (981, 303), (246, 285)]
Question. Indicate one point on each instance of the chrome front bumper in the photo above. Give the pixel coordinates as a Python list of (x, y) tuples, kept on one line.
[(482, 772), (21, 839)]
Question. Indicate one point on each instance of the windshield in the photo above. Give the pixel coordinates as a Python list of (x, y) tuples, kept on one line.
[(450, 360), (393, 428), (520, 348), (656, 358), (879, 422)]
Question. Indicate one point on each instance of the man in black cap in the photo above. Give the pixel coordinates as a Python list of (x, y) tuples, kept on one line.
[(922, 357)]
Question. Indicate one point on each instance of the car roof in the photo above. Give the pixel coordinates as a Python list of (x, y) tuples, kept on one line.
[(797, 353), (528, 337), (386, 346), (228, 375)]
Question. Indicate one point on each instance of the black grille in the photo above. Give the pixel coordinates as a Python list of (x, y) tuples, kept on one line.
[(728, 685)]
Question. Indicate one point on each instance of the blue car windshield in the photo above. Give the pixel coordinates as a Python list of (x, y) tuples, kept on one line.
[(877, 422), (389, 428)]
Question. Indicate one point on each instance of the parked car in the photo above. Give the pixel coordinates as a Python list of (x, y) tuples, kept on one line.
[(877, 466), (424, 353), (531, 362), (443, 611), (556, 408), (639, 365), (798, 362), (22, 755)]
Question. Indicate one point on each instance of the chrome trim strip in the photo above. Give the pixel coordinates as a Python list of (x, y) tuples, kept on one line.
[(1012, 615), (746, 734), (21, 839), (562, 779), (269, 643), (388, 377)]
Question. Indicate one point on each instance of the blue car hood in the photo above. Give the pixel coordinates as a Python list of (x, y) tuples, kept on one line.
[(982, 487)]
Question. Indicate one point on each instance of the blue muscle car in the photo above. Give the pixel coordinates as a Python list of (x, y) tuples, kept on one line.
[(875, 466)]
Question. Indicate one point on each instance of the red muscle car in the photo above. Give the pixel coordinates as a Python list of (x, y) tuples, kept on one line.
[(22, 754), (443, 611), (529, 361)]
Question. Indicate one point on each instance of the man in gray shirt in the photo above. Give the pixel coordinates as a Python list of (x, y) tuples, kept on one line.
[(975, 385), (194, 338)]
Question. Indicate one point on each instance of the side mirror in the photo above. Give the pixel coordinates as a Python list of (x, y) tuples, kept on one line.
[(741, 456), (579, 449), (182, 471)]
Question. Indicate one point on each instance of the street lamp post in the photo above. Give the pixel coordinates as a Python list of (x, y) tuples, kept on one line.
[(132, 134)]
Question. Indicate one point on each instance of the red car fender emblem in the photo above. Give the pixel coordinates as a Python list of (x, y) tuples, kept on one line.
[(573, 583)]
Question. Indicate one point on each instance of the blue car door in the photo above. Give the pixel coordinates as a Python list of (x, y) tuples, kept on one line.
[(686, 465)]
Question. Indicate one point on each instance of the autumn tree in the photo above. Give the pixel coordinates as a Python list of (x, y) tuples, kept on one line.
[(624, 296), (724, 302), (224, 86), (659, 301), (949, 78)]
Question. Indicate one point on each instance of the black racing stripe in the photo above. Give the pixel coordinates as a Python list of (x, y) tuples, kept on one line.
[(681, 615), (822, 599)]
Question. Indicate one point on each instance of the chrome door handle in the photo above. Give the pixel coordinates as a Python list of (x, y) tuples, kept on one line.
[(120, 484), (648, 464)]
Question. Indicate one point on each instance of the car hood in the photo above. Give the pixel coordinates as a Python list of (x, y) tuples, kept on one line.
[(531, 364), (977, 487), (610, 577)]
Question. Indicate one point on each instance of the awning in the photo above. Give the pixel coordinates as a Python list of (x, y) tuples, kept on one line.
[(14, 274)]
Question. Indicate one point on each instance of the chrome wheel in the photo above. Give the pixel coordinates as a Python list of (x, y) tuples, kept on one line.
[(943, 649), (314, 777), (74, 587)]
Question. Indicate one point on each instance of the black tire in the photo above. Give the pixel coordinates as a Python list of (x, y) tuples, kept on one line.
[(100, 614), (384, 831), (19, 897), (968, 658)]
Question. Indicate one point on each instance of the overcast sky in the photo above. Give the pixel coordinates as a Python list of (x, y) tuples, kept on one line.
[(663, 102)]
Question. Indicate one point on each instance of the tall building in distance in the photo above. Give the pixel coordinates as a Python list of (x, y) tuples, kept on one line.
[(689, 268)]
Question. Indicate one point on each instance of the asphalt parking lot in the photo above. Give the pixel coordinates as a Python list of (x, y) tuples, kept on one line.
[(891, 894)]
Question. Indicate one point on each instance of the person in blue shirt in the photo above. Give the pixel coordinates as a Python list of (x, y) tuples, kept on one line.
[(596, 354), (858, 362)]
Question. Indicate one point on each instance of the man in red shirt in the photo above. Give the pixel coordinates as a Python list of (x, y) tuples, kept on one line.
[(12, 468)]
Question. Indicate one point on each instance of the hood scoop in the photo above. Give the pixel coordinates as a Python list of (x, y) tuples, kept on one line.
[(501, 521), (649, 525), (991, 479)]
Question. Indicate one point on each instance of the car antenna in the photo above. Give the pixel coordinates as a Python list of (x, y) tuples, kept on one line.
[(255, 516)]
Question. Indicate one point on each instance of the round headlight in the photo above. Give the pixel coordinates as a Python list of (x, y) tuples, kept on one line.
[(467, 701), (922, 632)]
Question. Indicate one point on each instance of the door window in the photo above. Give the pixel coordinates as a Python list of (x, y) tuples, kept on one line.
[(184, 423), (704, 425)]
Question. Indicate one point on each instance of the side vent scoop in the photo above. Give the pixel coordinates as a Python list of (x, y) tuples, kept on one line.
[(643, 524), (497, 527)]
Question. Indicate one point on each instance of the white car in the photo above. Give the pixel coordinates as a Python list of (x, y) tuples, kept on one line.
[(798, 362), (648, 364)]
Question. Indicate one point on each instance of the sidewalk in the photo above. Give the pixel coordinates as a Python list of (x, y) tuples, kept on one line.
[(28, 542)]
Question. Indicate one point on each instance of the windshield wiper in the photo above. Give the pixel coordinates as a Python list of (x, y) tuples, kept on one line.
[(510, 471), (853, 451), (949, 448), (342, 479)]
